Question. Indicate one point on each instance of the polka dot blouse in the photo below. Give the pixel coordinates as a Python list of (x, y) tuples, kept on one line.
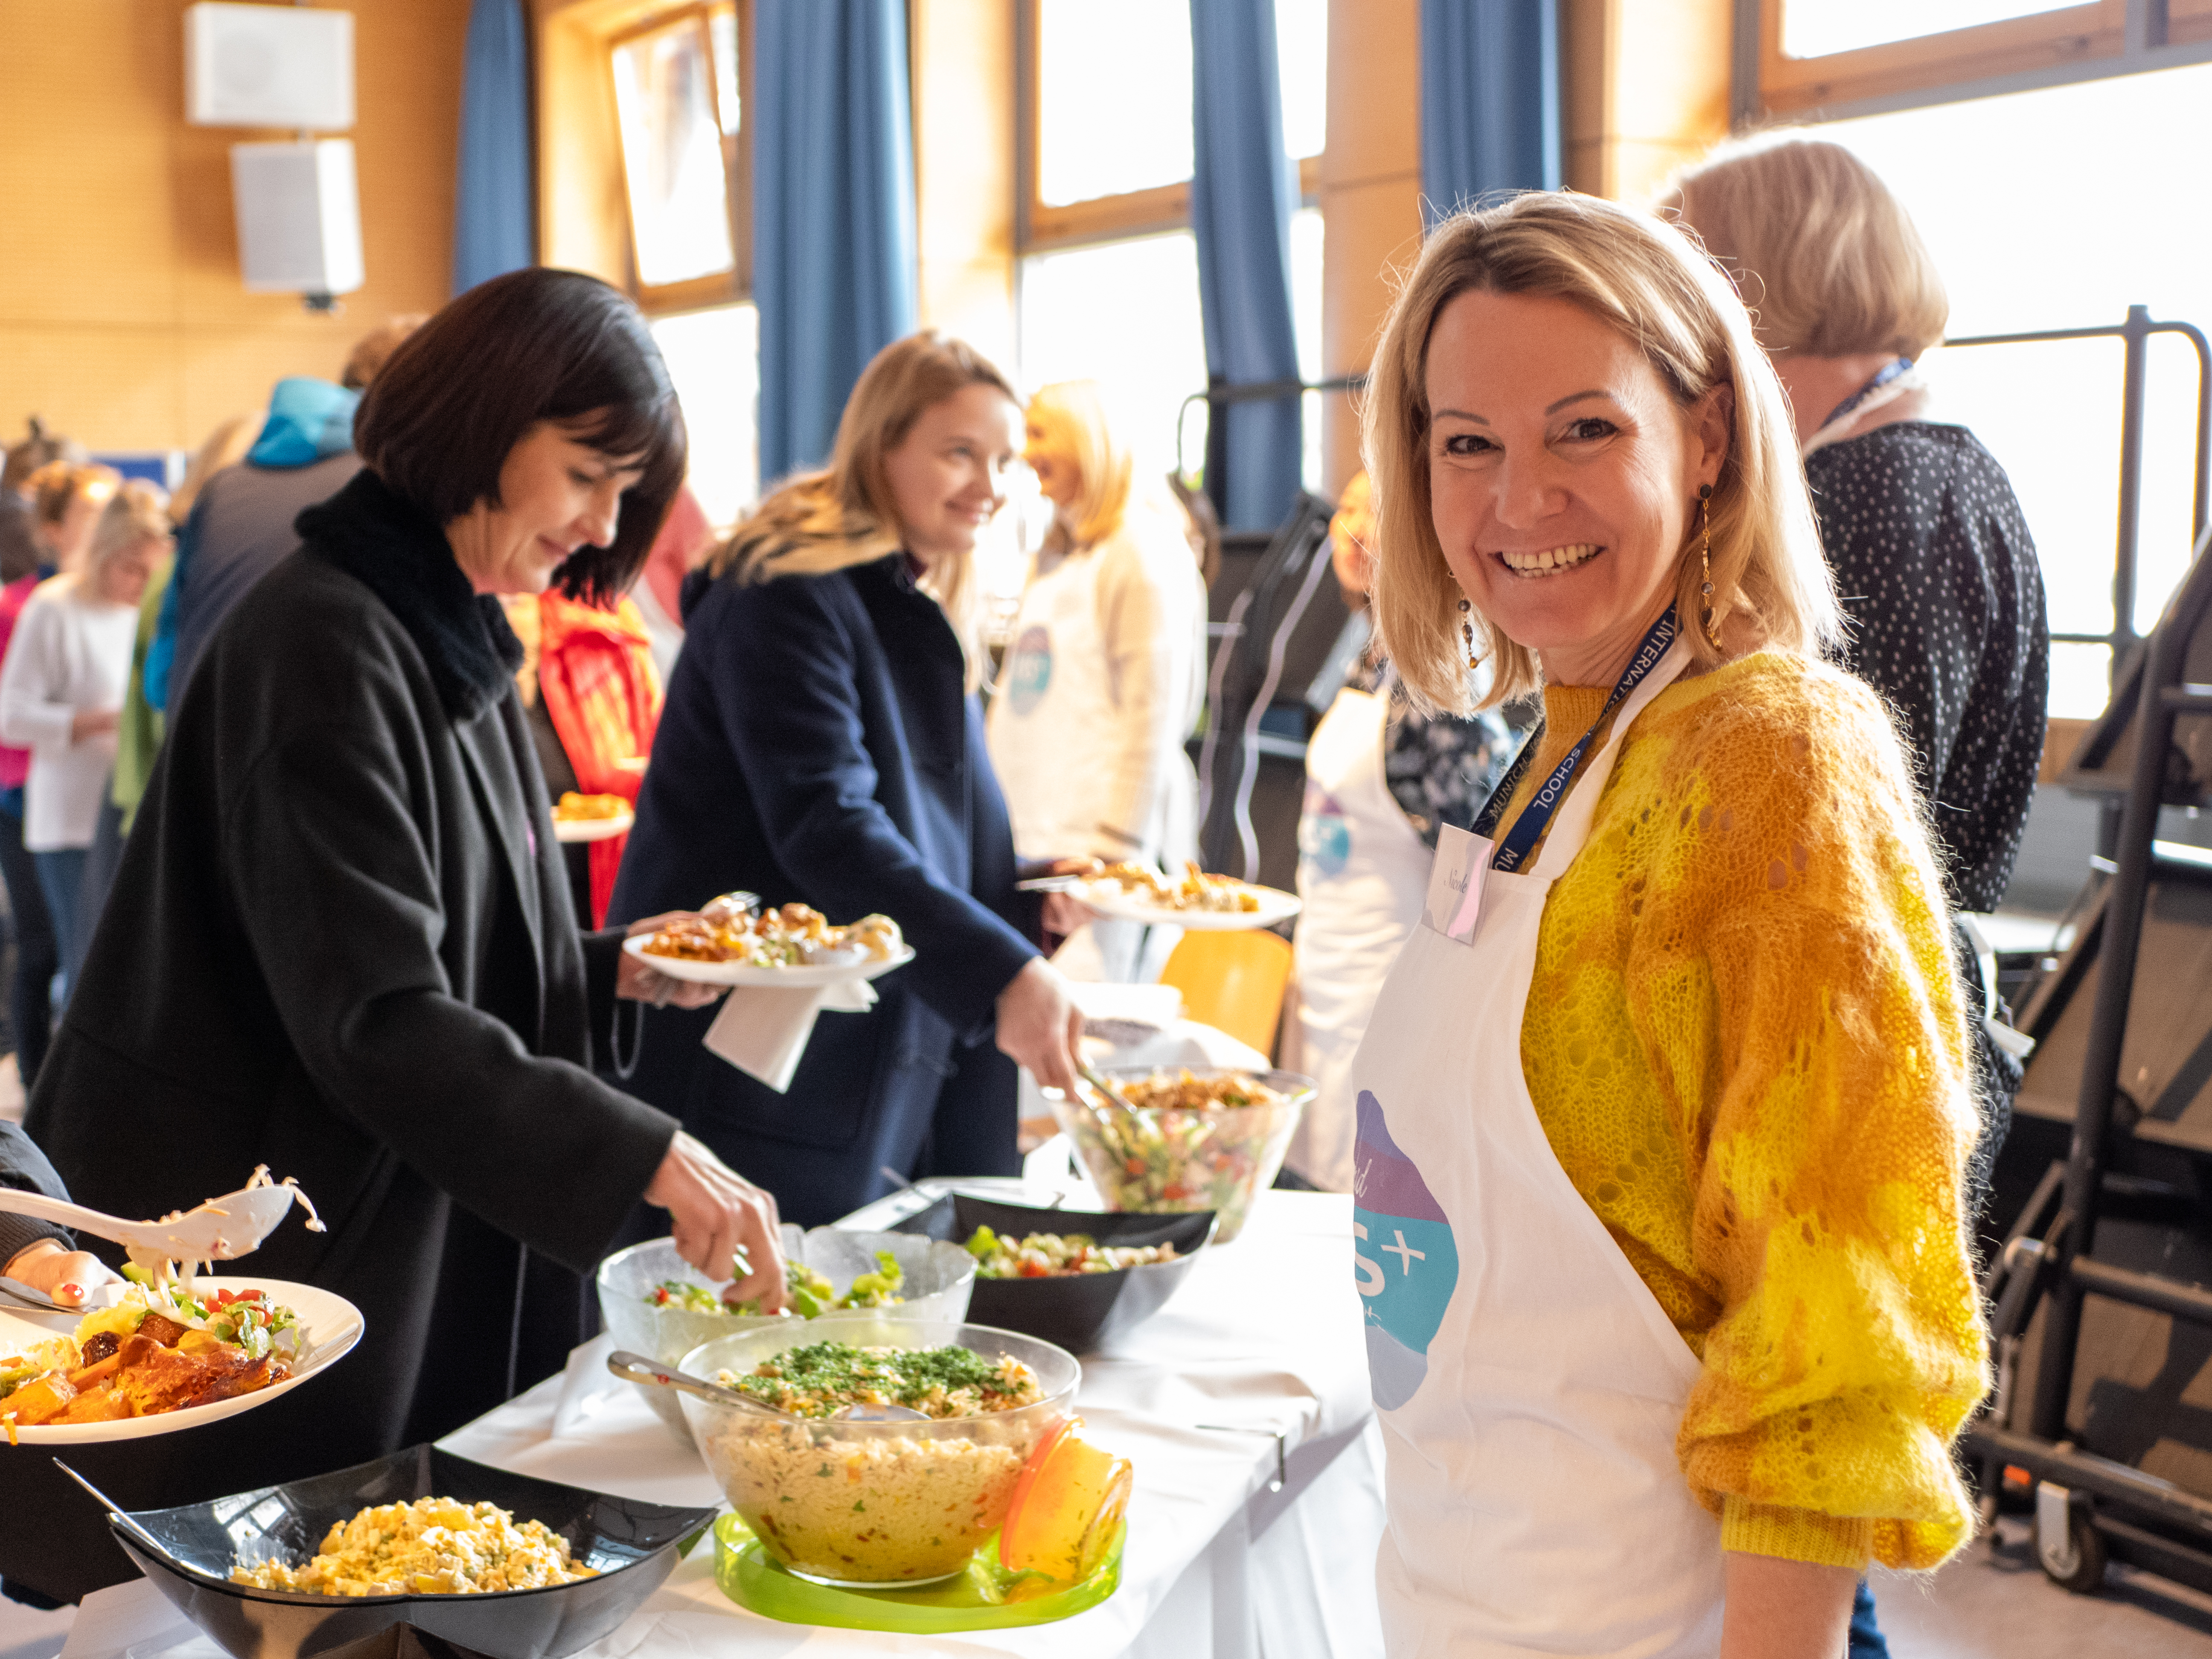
[(1938, 577)]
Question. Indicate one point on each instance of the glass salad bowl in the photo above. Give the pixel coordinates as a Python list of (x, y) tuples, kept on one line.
[(1201, 1137), (935, 1279), (872, 1503)]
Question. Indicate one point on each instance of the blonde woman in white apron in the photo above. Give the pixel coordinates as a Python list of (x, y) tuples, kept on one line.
[(1663, 1112), (1104, 676), (1381, 780)]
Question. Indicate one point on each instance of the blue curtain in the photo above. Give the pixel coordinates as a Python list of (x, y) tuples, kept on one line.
[(494, 227), (1489, 100), (834, 252), (1242, 192)]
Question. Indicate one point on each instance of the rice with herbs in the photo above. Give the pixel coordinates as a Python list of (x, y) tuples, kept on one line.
[(868, 1503)]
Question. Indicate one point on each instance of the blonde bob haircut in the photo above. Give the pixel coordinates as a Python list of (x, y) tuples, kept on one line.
[(844, 514), (1827, 259), (138, 512), (1075, 413), (1771, 585)]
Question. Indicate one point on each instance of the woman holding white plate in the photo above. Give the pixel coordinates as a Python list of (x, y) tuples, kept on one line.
[(1663, 1112), (1105, 675)]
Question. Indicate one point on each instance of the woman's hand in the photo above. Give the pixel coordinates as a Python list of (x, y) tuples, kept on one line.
[(725, 1226), (1039, 1025), (641, 981), (1063, 912), (1779, 1609), (68, 1276), (94, 723)]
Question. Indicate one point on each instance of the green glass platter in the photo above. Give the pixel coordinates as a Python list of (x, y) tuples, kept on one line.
[(984, 1597)]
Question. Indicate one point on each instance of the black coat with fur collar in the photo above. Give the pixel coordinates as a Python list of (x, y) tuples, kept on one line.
[(341, 944)]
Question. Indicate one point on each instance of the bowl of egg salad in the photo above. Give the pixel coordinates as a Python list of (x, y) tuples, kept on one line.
[(512, 1567)]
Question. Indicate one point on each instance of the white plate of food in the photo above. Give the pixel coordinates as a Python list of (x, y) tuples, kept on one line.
[(34, 1347), (797, 976), (1200, 902), (591, 818), (736, 941)]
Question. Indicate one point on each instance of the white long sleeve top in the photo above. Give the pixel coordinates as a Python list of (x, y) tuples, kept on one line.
[(1105, 678), (70, 652)]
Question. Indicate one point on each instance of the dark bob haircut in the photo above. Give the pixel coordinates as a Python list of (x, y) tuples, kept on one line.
[(437, 424)]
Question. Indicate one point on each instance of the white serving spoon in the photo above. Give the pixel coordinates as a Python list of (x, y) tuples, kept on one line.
[(231, 1225)]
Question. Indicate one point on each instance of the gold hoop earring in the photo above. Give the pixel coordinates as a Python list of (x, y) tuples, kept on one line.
[(1706, 559), (1466, 632)]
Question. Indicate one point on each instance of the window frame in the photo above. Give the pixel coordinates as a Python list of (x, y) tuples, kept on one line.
[(718, 288), (1040, 227), (2092, 40)]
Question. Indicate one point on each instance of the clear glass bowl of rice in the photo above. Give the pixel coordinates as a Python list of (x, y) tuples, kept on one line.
[(935, 1277), (1201, 1137), (867, 1504)]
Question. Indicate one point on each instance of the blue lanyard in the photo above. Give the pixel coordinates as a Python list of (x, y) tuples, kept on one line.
[(1897, 368), (1514, 847)]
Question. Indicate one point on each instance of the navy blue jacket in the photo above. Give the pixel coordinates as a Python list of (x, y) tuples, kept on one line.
[(819, 745)]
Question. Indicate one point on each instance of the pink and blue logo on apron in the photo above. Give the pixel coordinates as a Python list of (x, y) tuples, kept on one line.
[(1405, 1259), (1324, 838), (1029, 669)]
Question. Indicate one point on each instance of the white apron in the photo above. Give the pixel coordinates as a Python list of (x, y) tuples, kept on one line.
[(1529, 1385), (1362, 872), (1052, 724)]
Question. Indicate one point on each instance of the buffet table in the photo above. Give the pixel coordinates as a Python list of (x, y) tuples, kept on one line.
[(1256, 1373)]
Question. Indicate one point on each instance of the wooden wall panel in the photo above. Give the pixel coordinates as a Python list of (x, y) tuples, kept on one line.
[(123, 319), (963, 53), (1647, 90), (1369, 191)]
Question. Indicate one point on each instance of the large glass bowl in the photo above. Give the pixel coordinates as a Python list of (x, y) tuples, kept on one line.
[(1177, 1158), (870, 1504), (938, 1277)]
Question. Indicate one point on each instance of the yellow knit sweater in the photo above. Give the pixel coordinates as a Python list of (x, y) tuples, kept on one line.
[(1745, 1040)]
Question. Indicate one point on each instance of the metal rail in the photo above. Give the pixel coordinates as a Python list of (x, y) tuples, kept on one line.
[(2135, 333)]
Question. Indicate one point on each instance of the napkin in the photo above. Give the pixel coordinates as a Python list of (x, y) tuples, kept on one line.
[(763, 1030)]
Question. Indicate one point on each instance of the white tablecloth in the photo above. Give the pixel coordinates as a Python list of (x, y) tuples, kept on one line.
[(1264, 1336)]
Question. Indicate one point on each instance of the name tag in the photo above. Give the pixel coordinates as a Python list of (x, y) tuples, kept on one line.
[(1455, 901)]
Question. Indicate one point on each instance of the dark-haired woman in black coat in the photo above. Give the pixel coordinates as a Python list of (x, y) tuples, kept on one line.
[(341, 942)]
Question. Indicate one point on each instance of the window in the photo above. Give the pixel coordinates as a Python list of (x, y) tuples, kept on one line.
[(1107, 139), (714, 358), (2040, 215), (1836, 56), (1108, 282), (686, 155)]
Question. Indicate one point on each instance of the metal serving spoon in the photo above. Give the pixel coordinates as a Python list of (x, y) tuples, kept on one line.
[(637, 1368)]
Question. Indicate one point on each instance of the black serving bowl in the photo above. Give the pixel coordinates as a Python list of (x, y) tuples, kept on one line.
[(1080, 1311), (632, 1544)]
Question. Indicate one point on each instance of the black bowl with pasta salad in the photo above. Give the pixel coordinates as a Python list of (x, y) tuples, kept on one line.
[(612, 1552), (1088, 1278)]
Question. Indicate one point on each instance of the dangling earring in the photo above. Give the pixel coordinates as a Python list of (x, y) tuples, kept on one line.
[(1466, 632), (1706, 523)]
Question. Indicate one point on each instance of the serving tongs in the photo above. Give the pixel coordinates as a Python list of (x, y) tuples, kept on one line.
[(1108, 1090), (231, 1225), (637, 1368)]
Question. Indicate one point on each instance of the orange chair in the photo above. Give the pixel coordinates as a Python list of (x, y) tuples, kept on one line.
[(1233, 982)]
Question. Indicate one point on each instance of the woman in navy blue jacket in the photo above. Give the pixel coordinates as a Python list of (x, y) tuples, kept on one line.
[(822, 743)]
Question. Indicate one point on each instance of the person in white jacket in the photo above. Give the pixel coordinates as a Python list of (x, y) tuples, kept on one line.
[(61, 696), (1104, 676)]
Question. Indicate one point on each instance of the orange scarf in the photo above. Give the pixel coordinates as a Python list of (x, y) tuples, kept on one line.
[(595, 671)]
